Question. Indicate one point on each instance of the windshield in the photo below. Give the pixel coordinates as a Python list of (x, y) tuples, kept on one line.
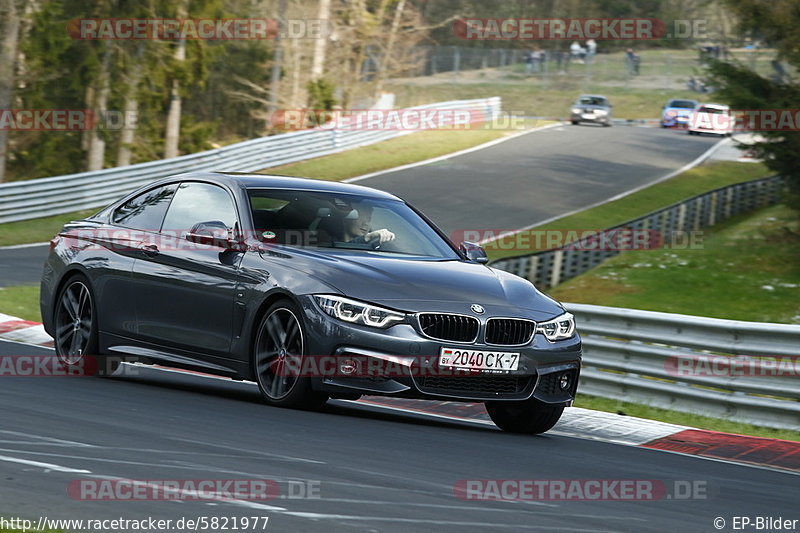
[(592, 100), (681, 104), (344, 221)]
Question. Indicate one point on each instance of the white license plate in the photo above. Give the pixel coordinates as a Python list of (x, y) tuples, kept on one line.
[(478, 360)]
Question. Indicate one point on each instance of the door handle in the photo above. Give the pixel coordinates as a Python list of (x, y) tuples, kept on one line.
[(150, 250)]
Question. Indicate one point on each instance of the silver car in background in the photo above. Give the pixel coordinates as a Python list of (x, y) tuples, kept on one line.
[(591, 108)]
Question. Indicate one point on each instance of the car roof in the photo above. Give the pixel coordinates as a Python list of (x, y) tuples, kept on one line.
[(592, 96), (277, 181)]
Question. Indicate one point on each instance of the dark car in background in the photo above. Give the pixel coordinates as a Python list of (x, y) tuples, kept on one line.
[(312, 289), (592, 108), (677, 113)]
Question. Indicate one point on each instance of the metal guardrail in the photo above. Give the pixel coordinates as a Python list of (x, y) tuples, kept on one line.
[(678, 362), (550, 267), (24, 200)]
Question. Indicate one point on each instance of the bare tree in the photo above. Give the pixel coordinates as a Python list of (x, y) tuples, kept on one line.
[(95, 156), (8, 55), (321, 43), (277, 60), (131, 107), (173, 129)]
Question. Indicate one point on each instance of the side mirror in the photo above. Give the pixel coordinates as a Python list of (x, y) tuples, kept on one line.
[(211, 240), (212, 233), (474, 252)]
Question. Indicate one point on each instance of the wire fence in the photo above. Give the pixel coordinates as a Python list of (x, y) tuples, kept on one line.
[(663, 69), (551, 267)]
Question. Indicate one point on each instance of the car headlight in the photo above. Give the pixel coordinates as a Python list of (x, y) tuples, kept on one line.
[(576, 110), (601, 112), (560, 328), (357, 312)]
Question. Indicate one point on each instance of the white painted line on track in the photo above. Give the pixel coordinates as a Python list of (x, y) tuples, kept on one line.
[(28, 245), (688, 166), (450, 155), (46, 466)]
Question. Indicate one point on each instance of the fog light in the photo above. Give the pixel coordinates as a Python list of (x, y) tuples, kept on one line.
[(563, 381), (348, 366)]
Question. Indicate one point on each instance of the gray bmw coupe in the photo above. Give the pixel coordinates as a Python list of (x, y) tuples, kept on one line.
[(312, 289)]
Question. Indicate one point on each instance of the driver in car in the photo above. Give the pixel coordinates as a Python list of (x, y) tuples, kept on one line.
[(357, 228)]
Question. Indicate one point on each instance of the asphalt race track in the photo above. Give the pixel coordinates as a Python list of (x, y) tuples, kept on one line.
[(507, 186), (370, 471), (541, 175)]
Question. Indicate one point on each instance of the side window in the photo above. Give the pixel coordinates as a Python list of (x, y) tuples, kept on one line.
[(199, 205), (146, 211)]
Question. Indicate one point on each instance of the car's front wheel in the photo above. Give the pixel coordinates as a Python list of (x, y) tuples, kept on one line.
[(278, 354), (76, 337), (529, 416)]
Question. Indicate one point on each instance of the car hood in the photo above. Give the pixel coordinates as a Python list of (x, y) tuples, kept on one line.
[(680, 111), (584, 107), (415, 285)]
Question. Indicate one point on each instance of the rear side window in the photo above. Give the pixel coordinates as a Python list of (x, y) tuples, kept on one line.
[(146, 211), (200, 204)]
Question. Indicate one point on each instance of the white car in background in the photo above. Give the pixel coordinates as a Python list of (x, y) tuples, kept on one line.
[(711, 118)]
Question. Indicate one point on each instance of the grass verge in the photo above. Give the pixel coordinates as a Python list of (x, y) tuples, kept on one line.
[(695, 181), (396, 152), (684, 419), (531, 100), (745, 268), (38, 229), (21, 301)]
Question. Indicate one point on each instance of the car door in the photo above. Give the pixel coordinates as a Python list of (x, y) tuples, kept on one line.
[(130, 226), (186, 290)]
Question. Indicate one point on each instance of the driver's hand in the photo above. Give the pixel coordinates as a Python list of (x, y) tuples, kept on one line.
[(382, 235)]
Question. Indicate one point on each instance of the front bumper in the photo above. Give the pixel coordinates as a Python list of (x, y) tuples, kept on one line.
[(400, 361), (673, 121), (590, 117)]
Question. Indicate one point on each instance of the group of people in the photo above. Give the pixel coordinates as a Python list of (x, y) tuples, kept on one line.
[(535, 58), (581, 54)]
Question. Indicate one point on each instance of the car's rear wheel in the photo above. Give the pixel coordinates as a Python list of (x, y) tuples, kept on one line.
[(278, 354), (529, 416), (76, 338)]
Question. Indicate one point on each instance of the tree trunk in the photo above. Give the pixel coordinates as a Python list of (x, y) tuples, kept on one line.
[(321, 43), (8, 55), (277, 63), (95, 158), (131, 108), (383, 67), (173, 130)]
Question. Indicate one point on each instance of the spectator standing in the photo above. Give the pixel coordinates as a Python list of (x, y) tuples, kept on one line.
[(528, 61), (591, 50)]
